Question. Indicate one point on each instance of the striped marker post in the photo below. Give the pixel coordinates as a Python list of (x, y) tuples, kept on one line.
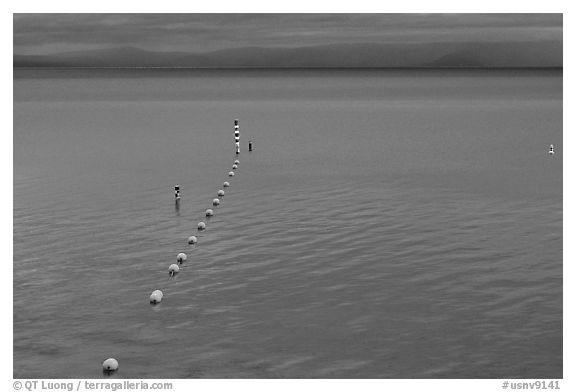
[(237, 135)]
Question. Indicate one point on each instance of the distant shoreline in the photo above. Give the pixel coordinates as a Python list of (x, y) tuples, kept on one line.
[(301, 68)]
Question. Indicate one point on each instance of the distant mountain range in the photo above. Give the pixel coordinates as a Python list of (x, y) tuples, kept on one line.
[(367, 55)]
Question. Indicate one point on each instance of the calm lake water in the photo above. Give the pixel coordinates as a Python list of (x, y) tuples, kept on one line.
[(388, 224)]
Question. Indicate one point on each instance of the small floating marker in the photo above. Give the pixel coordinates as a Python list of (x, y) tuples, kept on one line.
[(250, 145), (234, 167), (110, 365), (236, 162), (551, 152), (173, 269), (231, 174), (192, 240), (181, 257), (177, 192), (221, 193), (209, 212), (226, 184), (216, 202), (156, 297), (201, 226), (237, 147)]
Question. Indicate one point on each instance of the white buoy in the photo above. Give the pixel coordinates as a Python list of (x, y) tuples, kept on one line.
[(173, 269), (181, 258), (216, 202), (221, 193), (551, 152), (110, 365), (201, 226), (209, 212), (234, 167), (236, 162), (231, 174), (192, 240), (156, 297), (226, 184)]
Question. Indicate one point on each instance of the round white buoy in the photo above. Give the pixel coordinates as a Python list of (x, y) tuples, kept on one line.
[(181, 258), (201, 226), (192, 240), (209, 212), (226, 184), (220, 193), (236, 162), (173, 269), (216, 202), (110, 365), (234, 167), (231, 174), (156, 297)]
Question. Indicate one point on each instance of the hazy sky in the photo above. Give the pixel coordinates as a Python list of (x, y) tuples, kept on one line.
[(53, 33)]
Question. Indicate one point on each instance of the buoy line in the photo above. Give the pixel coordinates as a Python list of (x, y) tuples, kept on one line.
[(111, 365), (173, 269)]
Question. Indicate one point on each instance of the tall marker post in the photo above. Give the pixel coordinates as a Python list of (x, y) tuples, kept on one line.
[(237, 135)]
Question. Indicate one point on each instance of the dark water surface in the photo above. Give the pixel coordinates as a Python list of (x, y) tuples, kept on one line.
[(387, 224)]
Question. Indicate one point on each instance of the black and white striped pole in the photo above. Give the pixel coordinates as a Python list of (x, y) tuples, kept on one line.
[(237, 135), (177, 192)]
